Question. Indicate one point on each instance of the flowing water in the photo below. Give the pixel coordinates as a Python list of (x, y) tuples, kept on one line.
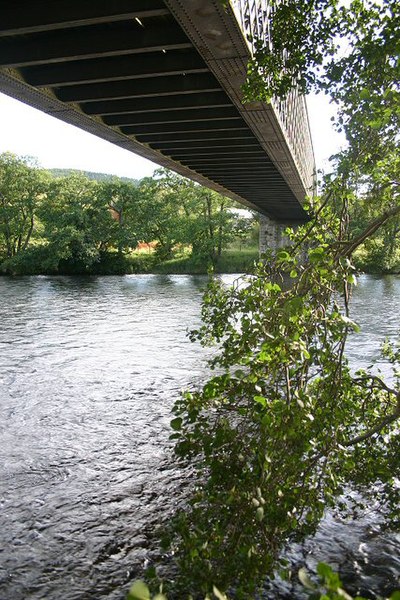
[(89, 369)]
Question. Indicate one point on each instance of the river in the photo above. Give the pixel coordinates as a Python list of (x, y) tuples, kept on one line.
[(89, 369)]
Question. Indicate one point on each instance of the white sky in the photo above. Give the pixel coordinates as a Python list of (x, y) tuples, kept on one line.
[(28, 132)]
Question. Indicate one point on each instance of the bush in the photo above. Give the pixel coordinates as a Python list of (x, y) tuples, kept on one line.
[(37, 260)]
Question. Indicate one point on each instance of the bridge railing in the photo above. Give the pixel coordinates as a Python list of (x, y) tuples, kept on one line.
[(254, 17)]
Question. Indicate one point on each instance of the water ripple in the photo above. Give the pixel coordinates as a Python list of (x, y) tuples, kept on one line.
[(89, 369)]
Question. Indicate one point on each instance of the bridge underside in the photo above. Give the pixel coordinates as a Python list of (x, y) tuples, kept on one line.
[(128, 72)]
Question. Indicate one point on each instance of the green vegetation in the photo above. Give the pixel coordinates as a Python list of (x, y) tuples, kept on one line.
[(231, 261), (285, 427), (90, 175), (70, 222), (75, 224), (327, 587)]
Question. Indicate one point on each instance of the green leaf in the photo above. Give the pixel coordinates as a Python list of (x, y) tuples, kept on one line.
[(351, 279), (260, 400), (176, 423), (293, 273), (283, 255), (239, 373), (328, 574), (139, 591)]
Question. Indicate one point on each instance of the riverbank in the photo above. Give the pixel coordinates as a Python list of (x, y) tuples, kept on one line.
[(231, 261)]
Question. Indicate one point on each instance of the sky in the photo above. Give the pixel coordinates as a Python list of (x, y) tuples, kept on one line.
[(26, 131)]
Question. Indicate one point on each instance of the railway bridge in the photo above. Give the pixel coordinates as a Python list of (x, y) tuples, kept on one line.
[(162, 78)]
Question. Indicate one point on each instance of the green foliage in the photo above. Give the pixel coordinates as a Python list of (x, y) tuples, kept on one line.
[(349, 50), (90, 175), (285, 425), (231, 261), (22, 186), (70, 221), (180, 212), (164, 198), (121, 201), (140, 591), (328, 587), (113, 263), (35, 260), (300, 38), (72, 224)]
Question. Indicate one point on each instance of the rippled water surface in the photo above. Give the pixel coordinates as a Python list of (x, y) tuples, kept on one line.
[(89, 369)]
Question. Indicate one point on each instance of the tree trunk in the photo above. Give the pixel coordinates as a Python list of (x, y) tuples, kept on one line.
[(7, 231), (28, 235), (220, 229), (211, 233)]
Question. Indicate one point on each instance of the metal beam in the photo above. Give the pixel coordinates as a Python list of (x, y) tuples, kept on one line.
[(223, 161), (168, 128), (47, 15), (234, 165), (91, 42), (250, 163), (265, 175), (194, 136), (134, 88), (254, 171), (182, 116), (149, 105), (211, 152), (154, 64), (175, 146), (269, 185)]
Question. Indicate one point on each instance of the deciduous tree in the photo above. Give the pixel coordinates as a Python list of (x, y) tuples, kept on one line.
[(22, 187)]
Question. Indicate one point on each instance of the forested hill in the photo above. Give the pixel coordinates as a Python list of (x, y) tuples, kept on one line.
[(90, 175)]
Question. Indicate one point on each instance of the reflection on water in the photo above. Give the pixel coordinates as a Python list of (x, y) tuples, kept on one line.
[(89, 368)]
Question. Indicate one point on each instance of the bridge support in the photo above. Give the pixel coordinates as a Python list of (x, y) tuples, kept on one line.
[(271, 234)]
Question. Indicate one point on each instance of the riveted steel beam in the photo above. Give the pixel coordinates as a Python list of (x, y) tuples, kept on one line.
[(173, 116), (195, 126), (134, 88), (90, 42), (175, 102), (48, 15), (115, 68)]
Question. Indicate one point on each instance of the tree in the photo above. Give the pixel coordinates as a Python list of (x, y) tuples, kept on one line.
[(179, 211), (211, 225), (165, 196), (22, 186), (122, 202), (285, 425), (70, 221)]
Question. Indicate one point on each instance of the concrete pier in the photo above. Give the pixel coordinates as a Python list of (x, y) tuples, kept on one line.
[(271, 234)]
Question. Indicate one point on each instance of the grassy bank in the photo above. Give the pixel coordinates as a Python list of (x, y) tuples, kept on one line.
[(32, 263), (232, 261)]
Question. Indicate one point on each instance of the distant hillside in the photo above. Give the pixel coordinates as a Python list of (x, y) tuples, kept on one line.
[(89, 175)]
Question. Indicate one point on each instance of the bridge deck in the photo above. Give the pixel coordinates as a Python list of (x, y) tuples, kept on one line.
[(160, 78)]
